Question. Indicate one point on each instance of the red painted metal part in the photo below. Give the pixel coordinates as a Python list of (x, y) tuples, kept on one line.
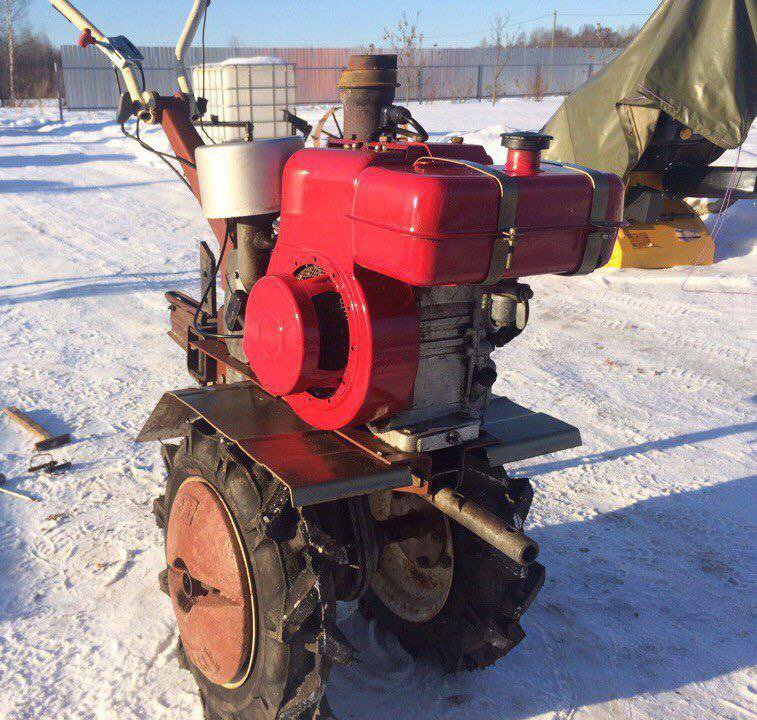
[(382, 357), (381, 312), (436, 223), (523, 162), (281, 338), (209, 584), (377, 225), (173, 115)]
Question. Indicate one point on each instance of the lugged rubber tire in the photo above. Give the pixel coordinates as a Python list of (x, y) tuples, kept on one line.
[(294, 593), (479, 622)]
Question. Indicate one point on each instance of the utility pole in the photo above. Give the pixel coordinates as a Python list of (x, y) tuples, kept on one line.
[(9, 22), (552, 49), (554, 31)]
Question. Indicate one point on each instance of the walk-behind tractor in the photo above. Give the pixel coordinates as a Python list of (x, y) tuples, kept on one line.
[(343, 441)]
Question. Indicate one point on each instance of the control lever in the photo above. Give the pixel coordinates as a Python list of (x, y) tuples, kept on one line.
[(299, 124), (86, 39)]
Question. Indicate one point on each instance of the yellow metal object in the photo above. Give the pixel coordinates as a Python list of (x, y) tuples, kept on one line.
[(678, 238)]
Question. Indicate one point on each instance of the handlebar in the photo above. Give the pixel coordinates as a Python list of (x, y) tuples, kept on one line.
[(185, 41), (127, 59)]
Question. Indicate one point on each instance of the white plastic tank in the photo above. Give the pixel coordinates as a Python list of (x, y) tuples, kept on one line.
[(256, 89)]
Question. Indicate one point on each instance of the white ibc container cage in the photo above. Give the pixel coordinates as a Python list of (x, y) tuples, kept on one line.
[(256, 89)]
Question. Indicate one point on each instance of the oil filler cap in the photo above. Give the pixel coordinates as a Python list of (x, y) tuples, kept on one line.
[(525, 140)]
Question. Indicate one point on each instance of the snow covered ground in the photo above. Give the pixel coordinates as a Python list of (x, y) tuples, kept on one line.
[(647, 531)]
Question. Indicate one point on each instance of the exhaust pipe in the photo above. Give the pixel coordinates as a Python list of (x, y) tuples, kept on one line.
[(499, 534), (366, 87), (254, 246)]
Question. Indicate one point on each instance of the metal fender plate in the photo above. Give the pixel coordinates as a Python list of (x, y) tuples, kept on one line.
[(521, 433), (317, 466)]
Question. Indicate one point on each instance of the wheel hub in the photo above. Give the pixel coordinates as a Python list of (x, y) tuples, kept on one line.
[(210, 584), (414, 576)]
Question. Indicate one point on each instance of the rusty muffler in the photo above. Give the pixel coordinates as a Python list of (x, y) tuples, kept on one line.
[(254, 246), (366, 87), (499, 534)]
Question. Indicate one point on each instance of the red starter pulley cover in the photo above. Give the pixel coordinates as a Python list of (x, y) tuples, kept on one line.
[(281, 336)]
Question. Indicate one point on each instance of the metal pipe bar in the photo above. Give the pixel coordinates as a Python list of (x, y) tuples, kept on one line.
[(490, 528), (196, 14), (77, 19)]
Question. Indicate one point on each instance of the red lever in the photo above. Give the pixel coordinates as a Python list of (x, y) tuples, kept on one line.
[(86, 38)]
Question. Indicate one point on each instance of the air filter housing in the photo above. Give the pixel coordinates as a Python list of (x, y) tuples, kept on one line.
[(239, 179)]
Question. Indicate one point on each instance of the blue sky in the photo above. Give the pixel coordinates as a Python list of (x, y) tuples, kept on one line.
[(329, 22)]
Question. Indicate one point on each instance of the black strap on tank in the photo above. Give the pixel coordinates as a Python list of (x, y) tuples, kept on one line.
[(597, 217), (504, 243)]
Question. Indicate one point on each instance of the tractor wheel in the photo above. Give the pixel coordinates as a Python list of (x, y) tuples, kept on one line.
[(254, 606), (448, 596)]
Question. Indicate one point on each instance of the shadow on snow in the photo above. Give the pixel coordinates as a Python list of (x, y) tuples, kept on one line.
[(640, 449), (22, 186), (56, 160), (640, 600), (79, 287)]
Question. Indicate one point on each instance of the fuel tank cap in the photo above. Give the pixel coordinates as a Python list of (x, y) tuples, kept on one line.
[(525, 140)]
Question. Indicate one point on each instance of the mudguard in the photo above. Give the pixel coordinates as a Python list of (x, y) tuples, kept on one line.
[(317, 466), (322, 466)]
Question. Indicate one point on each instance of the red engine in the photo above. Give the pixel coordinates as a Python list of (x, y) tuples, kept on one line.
[(380, 299)]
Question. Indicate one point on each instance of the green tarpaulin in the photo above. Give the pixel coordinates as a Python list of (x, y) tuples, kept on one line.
[(695, 60)]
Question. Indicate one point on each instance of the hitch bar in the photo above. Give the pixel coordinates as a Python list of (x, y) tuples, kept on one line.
[(499, 534)]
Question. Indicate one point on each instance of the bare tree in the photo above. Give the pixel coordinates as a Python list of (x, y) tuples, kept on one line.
[(499, 44), (11, 64), (407, 42), (602, 33), (14, 12)]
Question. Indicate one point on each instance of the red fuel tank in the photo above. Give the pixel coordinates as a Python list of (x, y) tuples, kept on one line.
[(429, 214)]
